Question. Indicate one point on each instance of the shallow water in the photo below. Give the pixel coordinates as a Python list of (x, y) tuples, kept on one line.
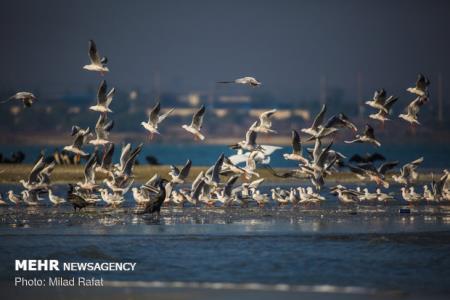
[(365, 246)]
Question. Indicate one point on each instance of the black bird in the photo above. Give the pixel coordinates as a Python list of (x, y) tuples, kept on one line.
[(155, 203), (367, 158), (76, 200)]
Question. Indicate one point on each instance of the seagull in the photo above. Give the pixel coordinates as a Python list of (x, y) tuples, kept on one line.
[(317, 124), (265, 123), (16, 199), (102, 129), (421, 88), (251, 81), (154, 119), (296, 154), (379, 100), (367, 196), (106, 164), (98, 64), (367, 137), (34, 181), (114, 199), (383, 197), (80, 138), (30, 197), (196, 124), (104, 99), (374, 174), (178, 176), (212, 175), (332, 125), (56, 200), (347, 197), (27, 98), (383, 114), (225, 196), (249, 143), (412, 110), (261, 199), (408, 173), (410, 196), (89, 174)]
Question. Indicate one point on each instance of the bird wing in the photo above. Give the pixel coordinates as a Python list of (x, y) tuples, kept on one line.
[(389, 102), (369, 132), (101, 93), (185, 170), (264, 118), (164, 116), (387, 166), (110, 96), (296, 143), (125, 154), (197, 119), (229, 185), (153, 118), (107, 156), (38, 167), (89, 168), (93, 54), (215, 176), (319, 118)]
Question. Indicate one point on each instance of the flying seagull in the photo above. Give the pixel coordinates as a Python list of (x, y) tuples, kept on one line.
[(103, 99), (98, 64), (154, 119), (265, 123), (296, 149), (411, 114), (27, 98), (367, 137), (102, 129), (251, 81), (421, 88), (196, 124)]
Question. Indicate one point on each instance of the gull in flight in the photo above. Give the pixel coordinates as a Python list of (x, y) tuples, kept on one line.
[(317, 124), (27, 98), (98, 64), (378, 100), (296, 149), (367, 137), (178, 176), (251, 81), (80, 138), (196, 124), (383, 113), (103, 99), (265, 123), (421, 88), (102, 129), (408, 173), (411, 113), (154, 119)]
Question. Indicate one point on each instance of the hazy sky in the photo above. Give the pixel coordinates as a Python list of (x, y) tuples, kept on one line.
[(288, 45)]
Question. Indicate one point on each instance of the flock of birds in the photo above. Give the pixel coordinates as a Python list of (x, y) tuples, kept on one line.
[(209, 188)]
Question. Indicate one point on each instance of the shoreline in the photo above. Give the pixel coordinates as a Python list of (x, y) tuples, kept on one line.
[(12, 173)]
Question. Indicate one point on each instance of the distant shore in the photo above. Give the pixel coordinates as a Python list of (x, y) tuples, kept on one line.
[(12, 173)]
